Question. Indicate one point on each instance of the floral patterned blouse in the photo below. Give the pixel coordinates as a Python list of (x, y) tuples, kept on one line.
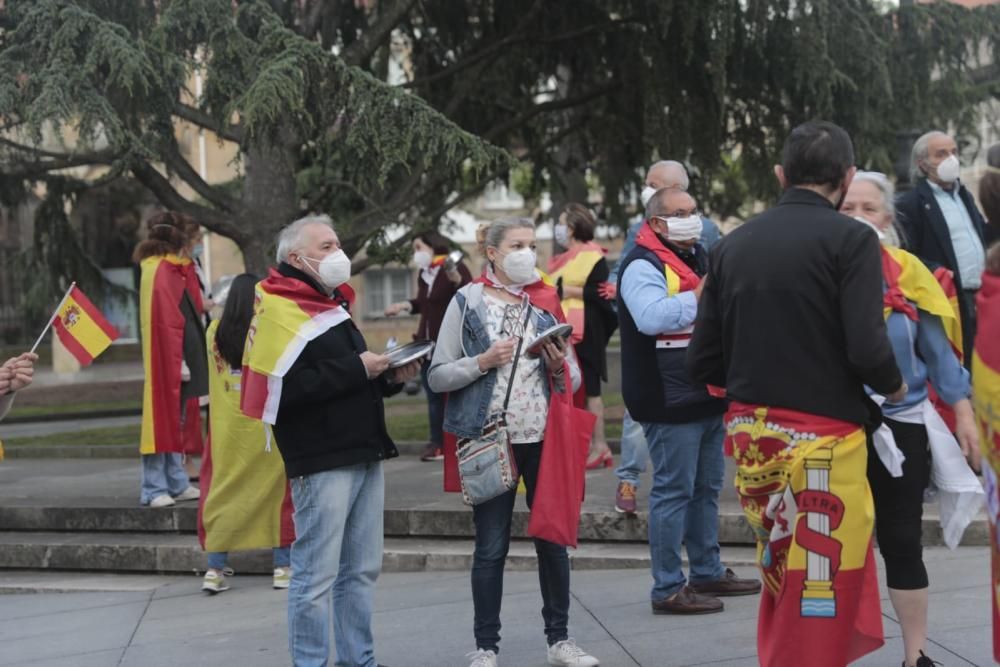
[(528, 409)]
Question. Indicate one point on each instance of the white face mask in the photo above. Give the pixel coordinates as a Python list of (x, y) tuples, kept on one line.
[(422, 259), (878, 232), (562, 235), (948, 169), (646, 194), (683, 229), (520, 265), (333, 271)]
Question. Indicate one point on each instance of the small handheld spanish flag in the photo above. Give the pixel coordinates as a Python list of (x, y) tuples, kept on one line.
[(81, 327)]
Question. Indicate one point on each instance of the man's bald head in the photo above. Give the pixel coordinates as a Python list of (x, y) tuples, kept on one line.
[(667, 174)]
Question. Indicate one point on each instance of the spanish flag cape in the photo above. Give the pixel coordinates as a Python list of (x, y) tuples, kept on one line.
[(165, 278), (288, 314), (802, 483), (908, 280), (245, 499), (986, 394), (574, 267)]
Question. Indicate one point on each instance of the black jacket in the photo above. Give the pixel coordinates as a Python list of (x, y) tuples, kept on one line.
[(791, 314), (331, 415), (928, 238)]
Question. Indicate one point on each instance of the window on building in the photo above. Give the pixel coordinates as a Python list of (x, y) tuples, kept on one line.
[(384, 287)]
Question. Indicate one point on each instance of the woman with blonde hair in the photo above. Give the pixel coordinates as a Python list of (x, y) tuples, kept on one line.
[(478, 362)]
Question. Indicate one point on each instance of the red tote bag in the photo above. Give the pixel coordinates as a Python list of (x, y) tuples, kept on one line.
[(555, 512)]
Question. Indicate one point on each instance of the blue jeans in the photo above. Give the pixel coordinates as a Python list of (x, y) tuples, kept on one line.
[(217, 559), (634, 452), (162, 475), (435, 409), (688, 467), (336, 558), (492, 520)]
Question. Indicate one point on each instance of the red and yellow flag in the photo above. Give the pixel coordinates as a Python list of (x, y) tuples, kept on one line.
[(288, 314), (165, 280), (986, 394), (803, 487), (82, 328), (574, 267)]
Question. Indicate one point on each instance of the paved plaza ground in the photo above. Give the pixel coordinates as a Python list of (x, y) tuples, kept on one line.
[(425, 620)]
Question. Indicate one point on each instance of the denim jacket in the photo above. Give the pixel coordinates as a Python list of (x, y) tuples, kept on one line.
[(455, 368)]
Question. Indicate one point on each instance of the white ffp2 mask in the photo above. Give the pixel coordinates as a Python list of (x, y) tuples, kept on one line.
[(334, 270)]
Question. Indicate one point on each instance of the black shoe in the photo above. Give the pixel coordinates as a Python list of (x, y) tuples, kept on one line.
[(923, 661)]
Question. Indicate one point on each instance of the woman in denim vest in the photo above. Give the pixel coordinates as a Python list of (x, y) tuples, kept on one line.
[(472, 363)]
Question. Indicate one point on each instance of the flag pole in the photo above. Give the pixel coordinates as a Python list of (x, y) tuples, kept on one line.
[(53, 318)]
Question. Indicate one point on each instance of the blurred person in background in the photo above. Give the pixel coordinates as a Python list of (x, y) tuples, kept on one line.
[(438, 278)]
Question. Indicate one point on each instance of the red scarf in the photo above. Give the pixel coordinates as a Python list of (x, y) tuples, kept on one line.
[(893, 297), (540, 294), (648, 239)]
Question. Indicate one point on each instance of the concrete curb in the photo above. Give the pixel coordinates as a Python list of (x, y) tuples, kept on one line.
[(115, 552), (603, 527)]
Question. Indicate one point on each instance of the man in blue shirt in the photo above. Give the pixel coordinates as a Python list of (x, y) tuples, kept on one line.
[(658, 291), (942, 225), (663, 174)]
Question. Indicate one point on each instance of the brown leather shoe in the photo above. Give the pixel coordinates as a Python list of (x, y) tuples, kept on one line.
[(686, 601), (728, 586)]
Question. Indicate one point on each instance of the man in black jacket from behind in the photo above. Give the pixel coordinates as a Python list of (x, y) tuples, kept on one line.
[(331, 432), (791, 323)]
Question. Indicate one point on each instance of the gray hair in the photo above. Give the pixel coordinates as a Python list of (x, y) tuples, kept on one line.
[(893, 234), (290, 237), (491, 234), (657, 204), (920, 153), (684, 181)]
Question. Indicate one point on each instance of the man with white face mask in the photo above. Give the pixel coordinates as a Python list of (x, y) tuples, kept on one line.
[(942, 225), (308, 373), (659, 289), (663, 174)]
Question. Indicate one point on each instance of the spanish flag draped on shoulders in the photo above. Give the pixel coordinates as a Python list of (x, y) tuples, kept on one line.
[(168, 286), (292, 313), (573, 267), (245, 499), (986, 394)]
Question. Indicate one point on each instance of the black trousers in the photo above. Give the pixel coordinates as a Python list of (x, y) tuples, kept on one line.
[(899, 506), (493, 521)]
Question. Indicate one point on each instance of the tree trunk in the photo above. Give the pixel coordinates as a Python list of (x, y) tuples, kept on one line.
[(270, 200)]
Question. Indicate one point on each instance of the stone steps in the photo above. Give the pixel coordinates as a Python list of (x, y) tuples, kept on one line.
[(181, 553)]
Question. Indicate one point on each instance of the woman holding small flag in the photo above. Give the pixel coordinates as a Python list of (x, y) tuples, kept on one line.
[(986, 378), (914, 448), (439, 278), (245, 501), (478, 361), (579, 273), (173, 354)]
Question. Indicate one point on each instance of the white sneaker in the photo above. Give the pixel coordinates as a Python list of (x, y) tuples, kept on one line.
[(162, 501), (282, 577), (215, 582), (567, 654), (190, 493), (482, 658)]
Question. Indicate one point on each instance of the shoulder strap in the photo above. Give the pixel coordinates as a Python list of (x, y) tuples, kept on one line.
[(517, 355)]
